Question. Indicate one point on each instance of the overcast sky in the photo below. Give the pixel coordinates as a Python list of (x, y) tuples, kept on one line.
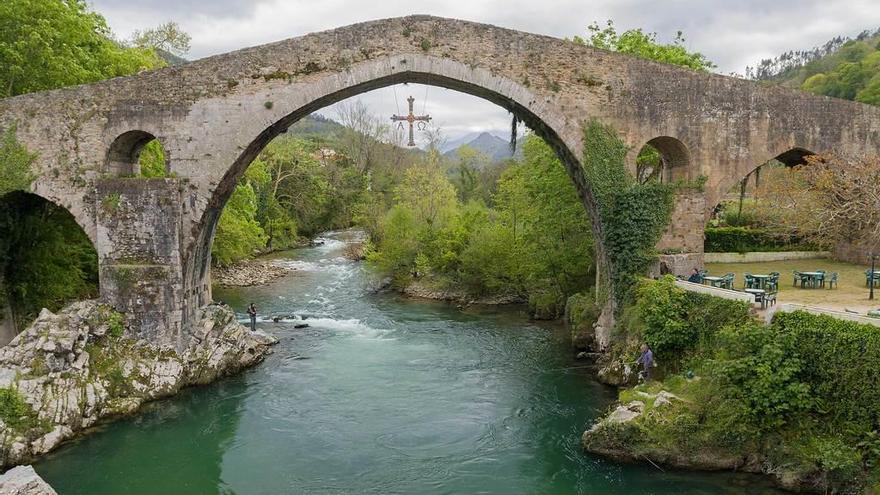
[(732, 33)]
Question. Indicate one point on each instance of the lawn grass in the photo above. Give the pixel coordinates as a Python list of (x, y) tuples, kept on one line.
[(851, 294)]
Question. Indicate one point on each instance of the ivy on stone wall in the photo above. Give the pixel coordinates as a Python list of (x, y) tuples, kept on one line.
[(633, 215)]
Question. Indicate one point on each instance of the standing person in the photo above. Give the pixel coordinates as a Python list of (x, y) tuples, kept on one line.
[(252, 312), (647, 361)]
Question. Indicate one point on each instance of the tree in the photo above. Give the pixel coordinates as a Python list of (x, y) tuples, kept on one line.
[(361, 135), (641, 44), (167, 37), (47, 44), (239, 235), (845, 204)]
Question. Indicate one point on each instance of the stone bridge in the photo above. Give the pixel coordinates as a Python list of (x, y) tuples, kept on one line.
[(213, 116)]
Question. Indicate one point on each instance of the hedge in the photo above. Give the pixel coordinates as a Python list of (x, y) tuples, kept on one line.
[(744, 240), (841, 364)]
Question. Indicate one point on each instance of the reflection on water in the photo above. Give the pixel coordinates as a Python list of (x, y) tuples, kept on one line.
[(377, 395)]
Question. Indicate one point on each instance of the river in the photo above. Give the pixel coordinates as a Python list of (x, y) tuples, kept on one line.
[(378, 395)]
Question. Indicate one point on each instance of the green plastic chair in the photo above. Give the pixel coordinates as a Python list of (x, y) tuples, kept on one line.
[(832, 280)]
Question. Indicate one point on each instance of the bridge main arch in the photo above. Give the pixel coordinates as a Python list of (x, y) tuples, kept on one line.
[(292, 104)]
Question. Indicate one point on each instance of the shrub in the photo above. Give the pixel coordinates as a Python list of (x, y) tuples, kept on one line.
[(15, 412), (840, 363), (743, 240), (678, 323), (758, 368)]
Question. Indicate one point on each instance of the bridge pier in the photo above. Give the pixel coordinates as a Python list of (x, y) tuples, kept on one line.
[(138, 244), (681, 247)]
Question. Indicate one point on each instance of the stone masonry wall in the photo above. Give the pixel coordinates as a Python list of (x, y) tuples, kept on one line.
[(139, 254)]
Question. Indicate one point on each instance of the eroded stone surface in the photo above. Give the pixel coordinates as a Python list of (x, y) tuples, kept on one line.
[(74, 368), (23, 480)]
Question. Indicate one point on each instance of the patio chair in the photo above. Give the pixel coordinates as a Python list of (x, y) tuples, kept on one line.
[(869, 278), (773, 284), (769, 299), (798, 278), (728, 280), (820, 280), (749, 281), (832, 280)]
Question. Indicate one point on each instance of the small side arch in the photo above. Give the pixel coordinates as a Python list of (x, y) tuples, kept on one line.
[(663, 158), (794, 157), (124, 153)]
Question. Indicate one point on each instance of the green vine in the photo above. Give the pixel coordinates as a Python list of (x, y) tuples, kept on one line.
[(633, 215)]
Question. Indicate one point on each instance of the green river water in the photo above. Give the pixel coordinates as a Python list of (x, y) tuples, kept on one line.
[(378, 395)]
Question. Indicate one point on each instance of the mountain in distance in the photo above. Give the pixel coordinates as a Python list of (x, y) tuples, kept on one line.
[(496, 148)]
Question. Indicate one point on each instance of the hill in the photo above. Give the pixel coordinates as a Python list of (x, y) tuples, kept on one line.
[(496, 148), (847, 68)]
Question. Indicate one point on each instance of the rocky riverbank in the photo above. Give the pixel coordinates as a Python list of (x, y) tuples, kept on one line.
[(424, 290), (249, 273), (70, 370), (624, 435)]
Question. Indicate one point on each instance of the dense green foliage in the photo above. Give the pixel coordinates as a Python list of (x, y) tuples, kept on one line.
[(644, 45), (633, 214), (802, 391), (288, 193), (842, 68), (46, 44), (152, 160), (677, 323), (745, 239), (535, 241)]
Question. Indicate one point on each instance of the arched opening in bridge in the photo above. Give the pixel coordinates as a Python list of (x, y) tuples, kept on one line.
[(462, 187), (663, 159), (46, 260), (766, 210), (136, 154)]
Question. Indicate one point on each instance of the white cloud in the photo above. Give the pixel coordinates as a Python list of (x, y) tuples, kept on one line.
[(732, 33)]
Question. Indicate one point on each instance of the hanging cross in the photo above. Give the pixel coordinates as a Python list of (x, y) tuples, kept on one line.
[(420, 120)]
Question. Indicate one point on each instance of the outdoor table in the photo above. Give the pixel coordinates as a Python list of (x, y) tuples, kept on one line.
[(812, 276), (713, 281), (875, 276), (761, 280), (759, 296)]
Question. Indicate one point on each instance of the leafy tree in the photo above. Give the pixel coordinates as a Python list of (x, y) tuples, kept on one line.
[(167, 37), (46, 44), (239, 235), (644, 45)]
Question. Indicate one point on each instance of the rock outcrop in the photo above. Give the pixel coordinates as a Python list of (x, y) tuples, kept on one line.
[(69, 370), (23, 480)]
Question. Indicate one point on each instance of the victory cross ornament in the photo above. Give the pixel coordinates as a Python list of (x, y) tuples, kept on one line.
[(419, 120)]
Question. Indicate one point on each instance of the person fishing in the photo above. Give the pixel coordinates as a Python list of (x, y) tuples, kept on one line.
[(647, 362), (252, 312)]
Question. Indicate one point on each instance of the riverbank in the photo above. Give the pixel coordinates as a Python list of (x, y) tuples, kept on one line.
[(795, 399), (249, 273), (436, 291), (70, 371)]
